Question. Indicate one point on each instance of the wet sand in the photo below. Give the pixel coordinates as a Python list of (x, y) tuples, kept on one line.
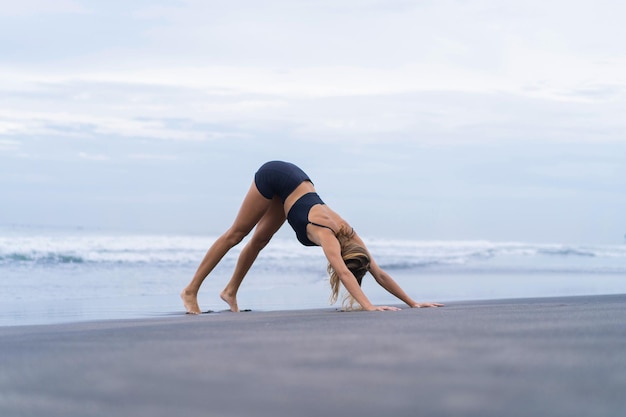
[(527, 357)]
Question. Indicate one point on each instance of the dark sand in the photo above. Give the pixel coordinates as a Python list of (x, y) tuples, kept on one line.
[(536, 357)]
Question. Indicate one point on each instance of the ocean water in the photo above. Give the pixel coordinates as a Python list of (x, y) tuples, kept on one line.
[(53, 276)]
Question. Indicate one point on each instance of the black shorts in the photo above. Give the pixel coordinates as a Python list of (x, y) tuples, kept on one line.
[(279, 178)]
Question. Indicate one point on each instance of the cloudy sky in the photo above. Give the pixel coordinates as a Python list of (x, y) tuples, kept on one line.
[(490, 119)]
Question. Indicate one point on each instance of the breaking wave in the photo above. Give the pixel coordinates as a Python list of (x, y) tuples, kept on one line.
[(286, 253)]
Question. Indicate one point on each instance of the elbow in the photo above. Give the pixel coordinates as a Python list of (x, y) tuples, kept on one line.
[(380, 280)]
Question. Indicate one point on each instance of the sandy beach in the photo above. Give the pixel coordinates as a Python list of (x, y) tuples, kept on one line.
[(525, 357)]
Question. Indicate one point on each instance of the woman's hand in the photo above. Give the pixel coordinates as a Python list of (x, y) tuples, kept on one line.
[(424, 305), (383, 308)]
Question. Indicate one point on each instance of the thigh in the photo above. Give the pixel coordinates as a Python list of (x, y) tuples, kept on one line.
[(252, 210), (271, 221)]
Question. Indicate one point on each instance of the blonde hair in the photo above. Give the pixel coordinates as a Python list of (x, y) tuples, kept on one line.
[(356, 259)]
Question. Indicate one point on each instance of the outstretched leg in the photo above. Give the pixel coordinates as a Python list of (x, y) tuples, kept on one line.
[(252, 210), (269, 224)]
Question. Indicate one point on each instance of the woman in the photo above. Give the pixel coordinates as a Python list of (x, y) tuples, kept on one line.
[(282, 191)]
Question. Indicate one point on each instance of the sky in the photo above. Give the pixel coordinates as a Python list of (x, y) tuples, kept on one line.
[(429, 120)]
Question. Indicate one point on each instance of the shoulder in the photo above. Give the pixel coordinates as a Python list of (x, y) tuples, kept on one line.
[(329, 243)]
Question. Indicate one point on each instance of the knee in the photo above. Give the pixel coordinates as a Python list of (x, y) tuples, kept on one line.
[(233, 237), (260, 242)]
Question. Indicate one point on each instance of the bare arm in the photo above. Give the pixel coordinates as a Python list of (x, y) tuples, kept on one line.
[(385, 281), (332, 250), (388, 283)]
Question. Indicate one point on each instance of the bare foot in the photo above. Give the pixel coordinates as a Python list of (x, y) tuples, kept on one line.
[(190, 301), (231, 301)]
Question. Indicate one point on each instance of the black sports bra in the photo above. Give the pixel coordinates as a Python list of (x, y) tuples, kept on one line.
[(298, 217)]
